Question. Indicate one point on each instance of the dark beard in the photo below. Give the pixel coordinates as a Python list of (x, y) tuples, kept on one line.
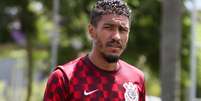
[(110, 58), (112, 43)]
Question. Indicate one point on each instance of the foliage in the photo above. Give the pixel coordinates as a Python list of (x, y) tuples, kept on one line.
[(198, 30), (143, 43)]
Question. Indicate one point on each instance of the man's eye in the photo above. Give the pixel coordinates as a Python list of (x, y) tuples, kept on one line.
[(123, 29), (108, 27)]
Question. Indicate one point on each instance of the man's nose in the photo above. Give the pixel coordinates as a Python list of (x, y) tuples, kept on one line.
[(116, 35)]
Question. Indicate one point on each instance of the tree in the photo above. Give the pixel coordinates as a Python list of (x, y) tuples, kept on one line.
[(27, 20), (144, 35), (27, 17), (170, 50)]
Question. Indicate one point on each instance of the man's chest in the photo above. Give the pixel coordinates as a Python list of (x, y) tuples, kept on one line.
[(90, 86)]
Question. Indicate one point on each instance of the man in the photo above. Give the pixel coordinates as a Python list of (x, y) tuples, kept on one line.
[(100, 75)]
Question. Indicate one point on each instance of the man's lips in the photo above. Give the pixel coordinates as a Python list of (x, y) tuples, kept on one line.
[(114, 46)]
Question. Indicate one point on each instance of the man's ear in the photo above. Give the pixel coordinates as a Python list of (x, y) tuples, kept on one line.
[(92, 31)]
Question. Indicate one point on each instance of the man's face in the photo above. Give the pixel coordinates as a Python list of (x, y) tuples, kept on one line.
[(110, 36)]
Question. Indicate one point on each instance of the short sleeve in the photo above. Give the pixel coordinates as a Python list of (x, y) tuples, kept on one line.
[(57, 87)]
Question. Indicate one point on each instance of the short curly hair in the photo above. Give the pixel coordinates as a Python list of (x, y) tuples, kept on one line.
[(103, 7)]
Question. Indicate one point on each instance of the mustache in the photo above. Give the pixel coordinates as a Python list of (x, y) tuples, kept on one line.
[(114, 43)]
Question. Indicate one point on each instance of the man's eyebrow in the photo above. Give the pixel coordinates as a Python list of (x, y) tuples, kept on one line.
[(119, 25), (114, 23), (110, 24)]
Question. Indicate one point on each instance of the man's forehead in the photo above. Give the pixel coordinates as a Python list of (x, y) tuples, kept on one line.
[(123, 20)]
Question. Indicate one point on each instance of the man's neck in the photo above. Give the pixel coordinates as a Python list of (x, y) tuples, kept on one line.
[(98, 60)]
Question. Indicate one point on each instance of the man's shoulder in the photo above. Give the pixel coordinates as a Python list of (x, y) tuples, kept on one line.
[(71, 63), (131, 68), (69, 67)]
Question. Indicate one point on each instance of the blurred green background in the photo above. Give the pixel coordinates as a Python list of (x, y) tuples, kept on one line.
[(27, 35)]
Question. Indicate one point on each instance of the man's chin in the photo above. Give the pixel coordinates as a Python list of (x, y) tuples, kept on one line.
[(111, 58)]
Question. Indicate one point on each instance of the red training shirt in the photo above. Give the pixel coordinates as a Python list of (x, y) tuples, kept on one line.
[(81, 80)]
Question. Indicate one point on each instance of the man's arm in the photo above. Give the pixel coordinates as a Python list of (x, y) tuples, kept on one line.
[(57, 87)]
